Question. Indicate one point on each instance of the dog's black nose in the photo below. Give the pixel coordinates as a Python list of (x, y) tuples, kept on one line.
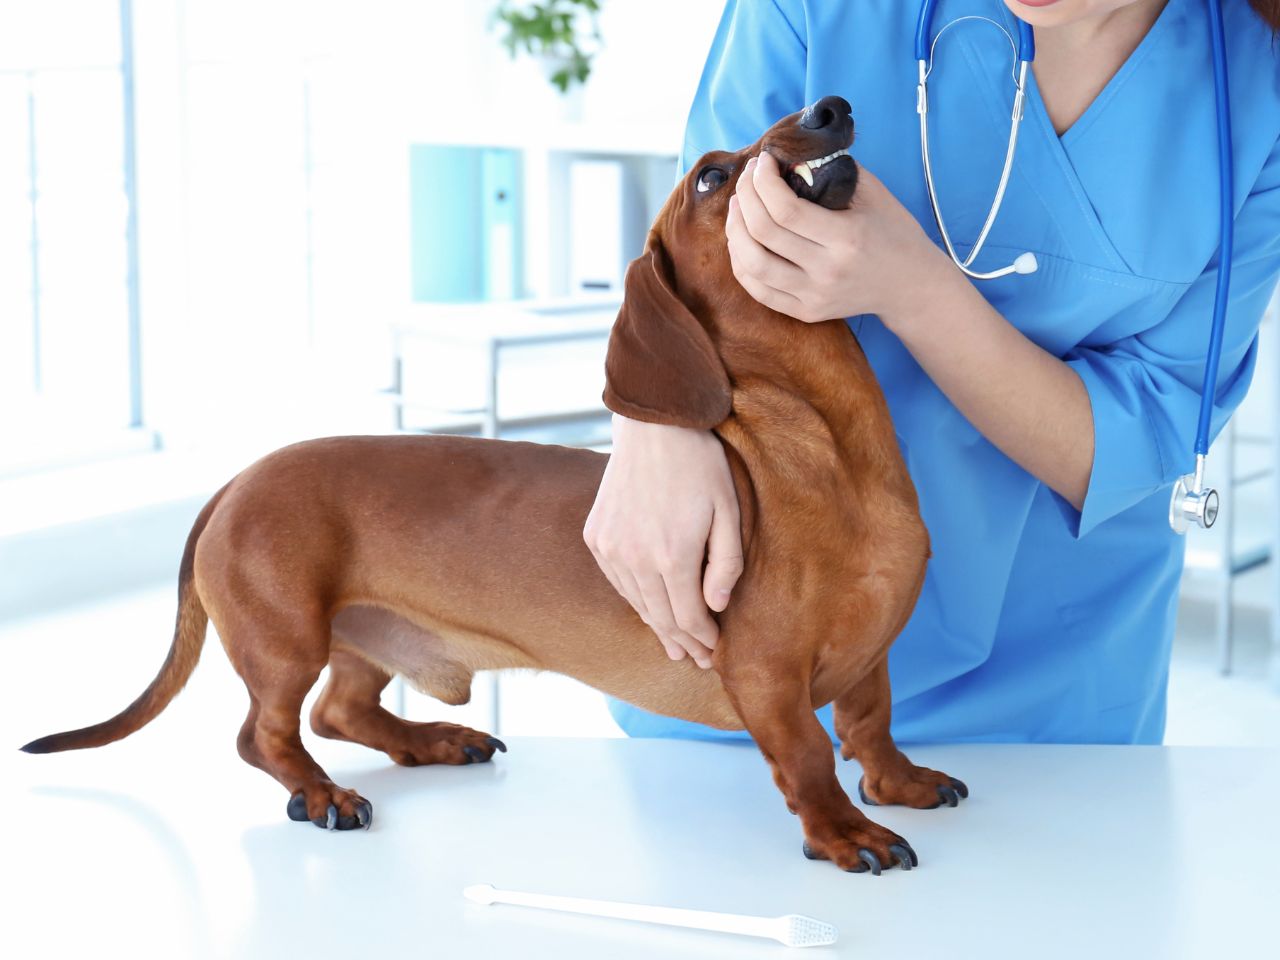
[(825, 113)]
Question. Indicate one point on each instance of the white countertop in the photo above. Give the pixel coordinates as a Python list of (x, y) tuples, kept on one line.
[(1099, 852)]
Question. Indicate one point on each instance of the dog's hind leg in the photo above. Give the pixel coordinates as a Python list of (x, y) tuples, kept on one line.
[(279, 656), (349, 708), (862, 721)]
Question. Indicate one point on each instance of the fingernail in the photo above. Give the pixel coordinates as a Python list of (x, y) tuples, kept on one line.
[(752, 162), (722, 594)]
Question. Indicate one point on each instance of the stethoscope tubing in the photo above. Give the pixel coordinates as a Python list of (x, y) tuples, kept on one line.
[(924, 31), (1226, 217), (1025, 54)]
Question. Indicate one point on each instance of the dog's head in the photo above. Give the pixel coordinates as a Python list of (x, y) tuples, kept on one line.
[(663, 364)]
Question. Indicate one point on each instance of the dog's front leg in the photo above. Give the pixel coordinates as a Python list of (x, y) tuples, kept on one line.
[(862, 721), (778, 714)]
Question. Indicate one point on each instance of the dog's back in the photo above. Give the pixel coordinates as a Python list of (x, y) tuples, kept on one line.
[(439, 556)]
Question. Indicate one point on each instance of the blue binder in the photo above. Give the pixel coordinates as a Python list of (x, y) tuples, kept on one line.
[(465, 223)]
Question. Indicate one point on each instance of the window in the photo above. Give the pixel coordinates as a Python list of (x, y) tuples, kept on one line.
[(69, 377)]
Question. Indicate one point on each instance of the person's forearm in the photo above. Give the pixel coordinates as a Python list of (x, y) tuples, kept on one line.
[(1027, 402)]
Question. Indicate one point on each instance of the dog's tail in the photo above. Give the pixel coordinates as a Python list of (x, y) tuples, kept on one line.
[(184, 653)]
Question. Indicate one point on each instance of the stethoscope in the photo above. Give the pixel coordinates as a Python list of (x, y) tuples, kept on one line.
[(1192, 501)]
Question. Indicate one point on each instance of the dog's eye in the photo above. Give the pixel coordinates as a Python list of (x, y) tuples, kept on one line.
[(709, 178)]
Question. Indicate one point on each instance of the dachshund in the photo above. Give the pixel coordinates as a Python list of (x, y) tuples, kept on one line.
[(432, 557)]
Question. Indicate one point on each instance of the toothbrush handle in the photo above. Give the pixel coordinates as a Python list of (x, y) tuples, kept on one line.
[(671, 916)]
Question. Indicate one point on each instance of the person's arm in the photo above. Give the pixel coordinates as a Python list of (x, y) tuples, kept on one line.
[(1028, 403), (666, 503), (1102, 427)]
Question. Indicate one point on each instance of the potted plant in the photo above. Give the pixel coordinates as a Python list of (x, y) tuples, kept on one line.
[(562, 34)]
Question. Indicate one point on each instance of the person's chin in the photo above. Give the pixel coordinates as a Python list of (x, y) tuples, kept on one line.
[(1052, 14)]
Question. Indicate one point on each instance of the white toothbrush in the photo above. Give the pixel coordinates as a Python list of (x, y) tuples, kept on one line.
[(792, 930)]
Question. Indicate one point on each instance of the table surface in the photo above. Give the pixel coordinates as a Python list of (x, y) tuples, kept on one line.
[(1061, 851)]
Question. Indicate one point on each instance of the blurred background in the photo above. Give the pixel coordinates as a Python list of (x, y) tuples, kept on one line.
[(229, 225)]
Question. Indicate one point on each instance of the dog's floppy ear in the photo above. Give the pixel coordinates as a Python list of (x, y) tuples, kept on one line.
[(662, 366)]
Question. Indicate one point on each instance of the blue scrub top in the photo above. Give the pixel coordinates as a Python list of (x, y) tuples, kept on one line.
[(1038, 622)]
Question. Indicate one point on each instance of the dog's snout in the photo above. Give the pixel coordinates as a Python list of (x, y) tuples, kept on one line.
[(825, 113)]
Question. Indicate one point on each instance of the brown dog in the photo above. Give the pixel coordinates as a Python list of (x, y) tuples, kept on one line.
[(435, 557)]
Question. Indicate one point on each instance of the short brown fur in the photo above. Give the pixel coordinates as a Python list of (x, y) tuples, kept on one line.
[(435, 557)]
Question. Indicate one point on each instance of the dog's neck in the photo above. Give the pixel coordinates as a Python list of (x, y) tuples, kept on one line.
[(809, 434), (804, 397)]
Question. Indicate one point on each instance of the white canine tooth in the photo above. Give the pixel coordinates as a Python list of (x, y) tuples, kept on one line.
[(805, 173)]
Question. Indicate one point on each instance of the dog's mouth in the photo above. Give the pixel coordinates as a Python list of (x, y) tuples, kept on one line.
[(824, 131), (804, 169), (828, 180)]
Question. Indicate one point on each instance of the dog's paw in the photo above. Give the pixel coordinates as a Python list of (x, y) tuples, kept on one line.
[(860, 847), (418, 744), (913, 786), (331, 807)]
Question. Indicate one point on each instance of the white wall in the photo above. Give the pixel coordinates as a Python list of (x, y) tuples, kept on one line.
[(239, 336)]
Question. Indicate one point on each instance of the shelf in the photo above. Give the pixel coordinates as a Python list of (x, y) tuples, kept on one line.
[(634, 139)]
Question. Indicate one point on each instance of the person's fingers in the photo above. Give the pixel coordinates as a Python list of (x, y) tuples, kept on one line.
[(661, 618), (750, 256), (599, 551), (636, 597), (724, 555), (802, 218), (691, 614), (612, 576), (773, 299), (790, 246)]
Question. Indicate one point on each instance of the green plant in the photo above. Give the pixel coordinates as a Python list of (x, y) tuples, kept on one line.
[(554, 30)]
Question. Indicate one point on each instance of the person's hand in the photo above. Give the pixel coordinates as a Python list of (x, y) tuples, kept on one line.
[(814, 264), (665, 503)]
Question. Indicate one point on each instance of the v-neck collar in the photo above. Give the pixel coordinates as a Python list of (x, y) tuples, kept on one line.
[(1098, 105), (1064, 198)]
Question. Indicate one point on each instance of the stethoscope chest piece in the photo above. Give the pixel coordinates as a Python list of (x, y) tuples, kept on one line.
[(1191, 503)]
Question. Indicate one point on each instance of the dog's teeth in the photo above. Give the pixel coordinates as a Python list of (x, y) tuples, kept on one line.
[(815, 164), (805, 173)]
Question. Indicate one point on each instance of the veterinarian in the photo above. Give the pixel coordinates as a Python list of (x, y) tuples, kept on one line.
[(1044, 416)]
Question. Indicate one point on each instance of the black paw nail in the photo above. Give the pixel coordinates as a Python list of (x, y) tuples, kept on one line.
[(297, 808), (475, 754), (960, 788), (863, 794), (948, 796), (809, 852), (329, 821), (870, 859), (364, 814), (496, 744), (906, 856)]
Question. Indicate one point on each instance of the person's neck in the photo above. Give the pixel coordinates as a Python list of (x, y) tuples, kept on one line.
[(1075, 61), (1127, 25)]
